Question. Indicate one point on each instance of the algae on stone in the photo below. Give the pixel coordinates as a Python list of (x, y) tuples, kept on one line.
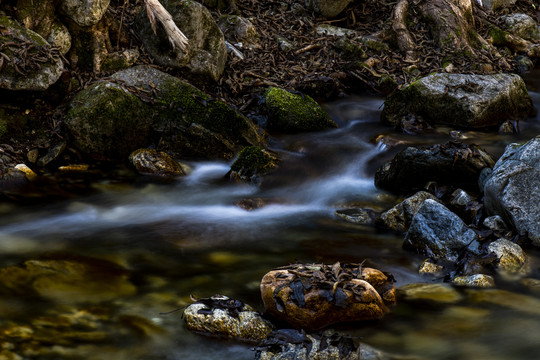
[(290, 113)]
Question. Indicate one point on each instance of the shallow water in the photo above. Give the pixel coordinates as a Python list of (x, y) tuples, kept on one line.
[(190, 237)]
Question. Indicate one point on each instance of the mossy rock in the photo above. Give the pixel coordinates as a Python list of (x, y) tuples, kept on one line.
[(292, 113), (253, 162), (106, 121)]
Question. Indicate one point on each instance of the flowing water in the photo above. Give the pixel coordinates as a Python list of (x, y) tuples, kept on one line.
[(190, 237)]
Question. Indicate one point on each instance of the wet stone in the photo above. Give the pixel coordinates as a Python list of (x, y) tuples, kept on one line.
[(155, 163), (495, 223), (53, 153), (512, 258), (223, 317), (477, 280), (425, 292), (287, 344), (429, 268), (357, 215), (313, 296)]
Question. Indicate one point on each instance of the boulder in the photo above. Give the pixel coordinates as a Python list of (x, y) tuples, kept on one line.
[(286, 344), (156, 163), (74, 279), (291, 112), (206, 54), (438, 233), (453, 163), (512, 190), (521, 25), (85, 13), (496, 4), (469, 101), (512, 259), (252, 163), (223, 317), (237, 29), (314, 296), (328, 8), (400, 216), (141, 105), (41, 66)]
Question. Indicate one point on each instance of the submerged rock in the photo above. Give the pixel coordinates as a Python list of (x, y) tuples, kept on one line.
[(438, 233), (286, 344), (156, 163), (314, 296), (453, 163), (357, 215), (206, 53), (400, 216), (29, 73), (512, 190), (67, 280), (429, 292), (224, 317), (477, 280), (291, 113), (470, 101)]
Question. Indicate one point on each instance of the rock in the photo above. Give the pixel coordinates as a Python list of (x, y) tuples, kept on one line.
[(60, 37), (53, 154), (237, 29), (429, 292), (429, 268), (400, 216), (106, 121), (114, 117), (29, 173), (67, 280), (206, 54), (469, 101), (85, 13), (495, 223), (286, 344), (357, 215), (13, 181), (155, 163), (323, 295), (465, 205), (512, 259), (224, 317), (38, 16), (521, 25), (507, 299), (453, 163), (252, 163), (291, 113), (512, 190), (356, 37), (494, 5), (16, 74), (119, 60), (438, 233), (477, 280), (328, 8), (284, 44)]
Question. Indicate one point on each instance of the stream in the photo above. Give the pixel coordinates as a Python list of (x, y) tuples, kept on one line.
[(190, 237)]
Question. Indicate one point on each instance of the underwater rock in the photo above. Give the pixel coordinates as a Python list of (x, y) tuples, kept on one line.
[(453, 163), (470, 101), (438, 233), (156, 163), (223, 317), (429, 292), (512, 190), (400, 216), (252, 163), (292, 113), (357, 215), (30, 73), (206, 53), (68, 280), (314, 296), (287, 344)]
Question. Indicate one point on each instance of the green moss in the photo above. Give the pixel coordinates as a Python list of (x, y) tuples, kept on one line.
[(288, 112), (254, 160), (498, 36)]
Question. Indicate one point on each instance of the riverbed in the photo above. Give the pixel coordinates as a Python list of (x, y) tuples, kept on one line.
[(190, 237)]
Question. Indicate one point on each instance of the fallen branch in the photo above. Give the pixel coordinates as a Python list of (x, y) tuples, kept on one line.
[(155, 10)]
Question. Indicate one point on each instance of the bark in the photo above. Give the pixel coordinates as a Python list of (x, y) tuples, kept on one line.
[(405, 42)]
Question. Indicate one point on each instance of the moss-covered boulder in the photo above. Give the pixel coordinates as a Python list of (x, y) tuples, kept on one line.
[(252, 163), (290, 112), (206, 54), (470, 101), (142, 106), (106, 121), (29, 62)]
